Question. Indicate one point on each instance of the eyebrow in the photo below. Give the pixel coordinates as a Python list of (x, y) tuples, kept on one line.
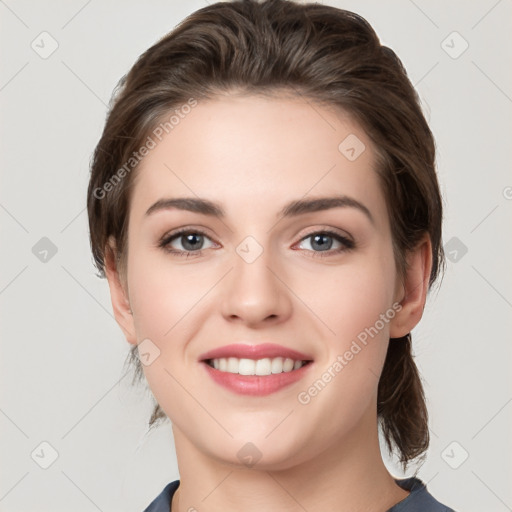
[(292, 209)]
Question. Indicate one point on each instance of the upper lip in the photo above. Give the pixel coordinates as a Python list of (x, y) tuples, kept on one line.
[(261, 351)]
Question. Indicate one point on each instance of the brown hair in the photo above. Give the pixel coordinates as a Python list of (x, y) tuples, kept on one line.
[(327, 55)]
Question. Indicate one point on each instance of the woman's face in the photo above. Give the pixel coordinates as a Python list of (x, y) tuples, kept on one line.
[(262, 269)]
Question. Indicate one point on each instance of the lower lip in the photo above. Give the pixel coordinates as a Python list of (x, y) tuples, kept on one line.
[(256, 385)]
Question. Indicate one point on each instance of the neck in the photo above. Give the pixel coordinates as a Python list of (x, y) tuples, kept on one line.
[(348, 475)]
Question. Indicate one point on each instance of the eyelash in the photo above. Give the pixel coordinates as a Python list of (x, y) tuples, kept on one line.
[(347, 243)]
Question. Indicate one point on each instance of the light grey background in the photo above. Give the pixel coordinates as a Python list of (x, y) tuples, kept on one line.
[(62, 354)]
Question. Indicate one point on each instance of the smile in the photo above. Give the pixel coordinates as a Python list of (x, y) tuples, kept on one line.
[(262, 367), (255, 369)]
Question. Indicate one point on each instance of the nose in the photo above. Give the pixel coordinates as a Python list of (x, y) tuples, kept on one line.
[(255, 292)]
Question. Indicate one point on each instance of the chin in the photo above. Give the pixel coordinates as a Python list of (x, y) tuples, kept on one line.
[(260, 451)]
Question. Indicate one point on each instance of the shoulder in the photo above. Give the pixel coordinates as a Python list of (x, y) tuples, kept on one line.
[(162, 502), (419, 499)]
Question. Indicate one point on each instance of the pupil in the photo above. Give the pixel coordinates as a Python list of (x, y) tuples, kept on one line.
[(189, 239), (322, 246)]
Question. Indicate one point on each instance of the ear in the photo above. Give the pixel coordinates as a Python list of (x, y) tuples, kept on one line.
[(412, 291), (119, 295)]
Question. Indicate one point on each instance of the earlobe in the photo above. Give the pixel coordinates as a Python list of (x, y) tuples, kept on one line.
[(413, 292), (118, 295)]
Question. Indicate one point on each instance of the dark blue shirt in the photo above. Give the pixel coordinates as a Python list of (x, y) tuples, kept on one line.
[(419, 499)]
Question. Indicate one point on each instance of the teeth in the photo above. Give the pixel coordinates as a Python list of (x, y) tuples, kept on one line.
[(288, 365), (242, 366), (264, 366), (233, 366), (277, 365)]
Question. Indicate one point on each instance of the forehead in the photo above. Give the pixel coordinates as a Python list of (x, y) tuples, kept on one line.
[(242, 150)]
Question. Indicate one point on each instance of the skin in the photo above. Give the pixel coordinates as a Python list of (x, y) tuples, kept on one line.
[(253, 155)]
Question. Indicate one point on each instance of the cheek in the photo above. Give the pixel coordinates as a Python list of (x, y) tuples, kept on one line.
[(346, 380), (167, 300), (163, 298), (357, 306), (161, 293), (351, 298)]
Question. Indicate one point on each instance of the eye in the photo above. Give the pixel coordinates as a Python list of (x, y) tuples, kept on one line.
[(191, 242), (321, 243)]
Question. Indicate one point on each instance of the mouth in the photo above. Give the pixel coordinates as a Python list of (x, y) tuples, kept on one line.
[(256, 370), (262, 367)]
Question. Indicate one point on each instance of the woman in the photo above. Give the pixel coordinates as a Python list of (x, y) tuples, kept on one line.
[(264, 204)]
